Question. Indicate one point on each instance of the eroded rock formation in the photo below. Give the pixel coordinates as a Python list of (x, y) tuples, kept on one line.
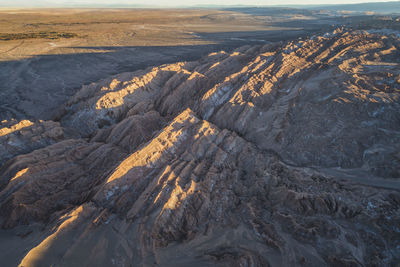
[(275, 155), (25, 136)]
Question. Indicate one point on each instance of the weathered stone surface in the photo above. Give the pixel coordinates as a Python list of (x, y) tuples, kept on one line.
[(328, 101), (25, 136), (254, 158), (52, 179)]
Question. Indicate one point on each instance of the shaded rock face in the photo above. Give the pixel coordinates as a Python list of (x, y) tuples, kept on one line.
[(276, 155), (326, 101), (25, 136)]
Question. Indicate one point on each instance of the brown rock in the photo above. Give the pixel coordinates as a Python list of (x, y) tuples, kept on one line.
[(257, 157)]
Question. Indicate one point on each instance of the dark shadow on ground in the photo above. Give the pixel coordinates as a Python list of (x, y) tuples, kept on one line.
[(36, 87)]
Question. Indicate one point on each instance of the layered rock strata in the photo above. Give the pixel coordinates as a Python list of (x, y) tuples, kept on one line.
[(275, 155)]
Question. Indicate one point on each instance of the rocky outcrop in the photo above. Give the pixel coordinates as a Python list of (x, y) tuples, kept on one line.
[(329, 101), (196, 186), (251, 158), (52, 179), (25, 136)]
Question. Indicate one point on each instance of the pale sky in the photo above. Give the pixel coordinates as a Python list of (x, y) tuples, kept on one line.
[(179, 2)]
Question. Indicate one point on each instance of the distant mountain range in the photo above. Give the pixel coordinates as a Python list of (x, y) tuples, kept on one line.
[(377, 7)]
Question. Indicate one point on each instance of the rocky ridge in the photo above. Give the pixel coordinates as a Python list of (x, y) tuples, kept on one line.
[(285, 155)]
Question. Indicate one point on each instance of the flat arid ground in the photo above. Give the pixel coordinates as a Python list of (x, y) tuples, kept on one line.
[(46, 55), (181, 137)]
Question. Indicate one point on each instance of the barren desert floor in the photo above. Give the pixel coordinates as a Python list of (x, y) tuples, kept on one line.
[(46, 55)]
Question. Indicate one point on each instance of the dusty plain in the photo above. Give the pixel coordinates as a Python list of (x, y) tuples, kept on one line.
[(47, 54)]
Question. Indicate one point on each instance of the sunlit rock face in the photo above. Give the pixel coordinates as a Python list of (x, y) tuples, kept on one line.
[(275, 155), (329, 101)]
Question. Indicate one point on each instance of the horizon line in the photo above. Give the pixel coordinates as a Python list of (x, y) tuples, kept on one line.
[(183, 6)]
